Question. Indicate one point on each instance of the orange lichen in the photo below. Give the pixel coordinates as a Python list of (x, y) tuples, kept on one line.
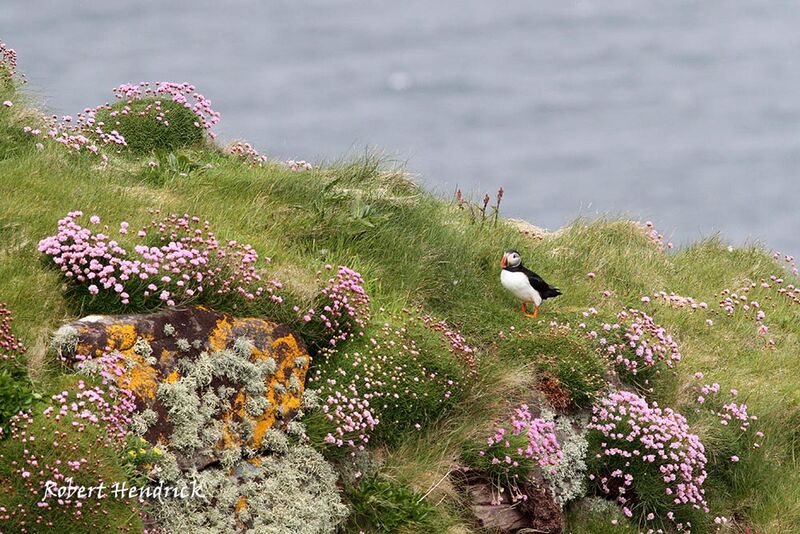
[(142, 378), (240, 504), (172, 377), (221, 335), (121, 336)]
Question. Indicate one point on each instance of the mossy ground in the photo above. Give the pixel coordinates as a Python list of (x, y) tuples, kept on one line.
[(415, 249)]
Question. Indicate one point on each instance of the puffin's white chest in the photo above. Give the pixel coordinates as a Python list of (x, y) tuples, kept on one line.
[(519, 286)]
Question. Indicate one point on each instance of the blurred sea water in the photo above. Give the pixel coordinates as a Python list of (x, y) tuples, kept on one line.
[(682, 112)]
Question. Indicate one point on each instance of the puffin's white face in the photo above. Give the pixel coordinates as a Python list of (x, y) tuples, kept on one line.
[(510, 259)]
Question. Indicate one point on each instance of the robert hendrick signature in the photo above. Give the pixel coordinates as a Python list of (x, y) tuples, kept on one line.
[(121, 490)]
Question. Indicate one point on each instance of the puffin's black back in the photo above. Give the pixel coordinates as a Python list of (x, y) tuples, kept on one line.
[(536, 281)]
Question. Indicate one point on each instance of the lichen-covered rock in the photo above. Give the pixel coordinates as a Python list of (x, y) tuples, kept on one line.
[(290, 491), (187, 366)]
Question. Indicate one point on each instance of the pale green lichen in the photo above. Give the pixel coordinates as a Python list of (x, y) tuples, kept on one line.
[(291, 492), (65, 341), (183, 407), (294, 384), (300, 361), (183, 345), (167, 468), (289, 489), (567, 479), (169, 330), (230, 457), (143, 348), (203, 371), (243, 347), (309, 400), (296, 429), (91, 367), (230, 365), (275, 441), (255, 406), (142, 421)]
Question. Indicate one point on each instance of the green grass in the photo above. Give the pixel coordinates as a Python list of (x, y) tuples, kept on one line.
[(416, 250), (384, 506)]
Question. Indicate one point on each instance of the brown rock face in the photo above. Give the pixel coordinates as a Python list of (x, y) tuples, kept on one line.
[(157, 347)]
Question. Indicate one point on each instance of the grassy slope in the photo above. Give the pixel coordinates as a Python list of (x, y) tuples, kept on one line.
[(414, 249)]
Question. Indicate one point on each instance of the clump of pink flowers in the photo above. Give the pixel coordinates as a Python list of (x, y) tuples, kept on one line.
[(344, 306), (181, 93), (298, 165), (351, 415), (176, 259), (542, 444), (51, 452), (85, 133), (8, 59), (679, 301), (733, 301), (743, 300), (654, 236), (384, 385), (512, 448), (729, 413), (247, 153), (638, 439), (635, 341), (11, 347)]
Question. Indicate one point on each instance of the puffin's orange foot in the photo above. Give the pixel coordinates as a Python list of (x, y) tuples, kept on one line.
[(525, 311)]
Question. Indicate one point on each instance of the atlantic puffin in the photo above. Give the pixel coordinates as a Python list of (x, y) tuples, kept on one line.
[(523, 283)]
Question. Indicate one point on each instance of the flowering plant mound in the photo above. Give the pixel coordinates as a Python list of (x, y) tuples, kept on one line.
[(8, 64), (246, 152), (15, 386), (635, 342), (176, 259), (513, 452), (146, 117), (180, 93), (342, 309), (381, 386), (165, 116), (647, 459)]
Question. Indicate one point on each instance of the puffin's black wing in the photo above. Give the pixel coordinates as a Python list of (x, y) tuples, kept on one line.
[(536, 281)]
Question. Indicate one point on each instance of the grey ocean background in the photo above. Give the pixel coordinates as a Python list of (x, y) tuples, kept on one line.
[(683, 112)]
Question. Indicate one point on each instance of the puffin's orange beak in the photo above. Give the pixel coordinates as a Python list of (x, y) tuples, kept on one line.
[(503, 262)]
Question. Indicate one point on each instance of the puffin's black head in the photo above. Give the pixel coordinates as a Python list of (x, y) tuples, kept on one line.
[(511, 258)]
